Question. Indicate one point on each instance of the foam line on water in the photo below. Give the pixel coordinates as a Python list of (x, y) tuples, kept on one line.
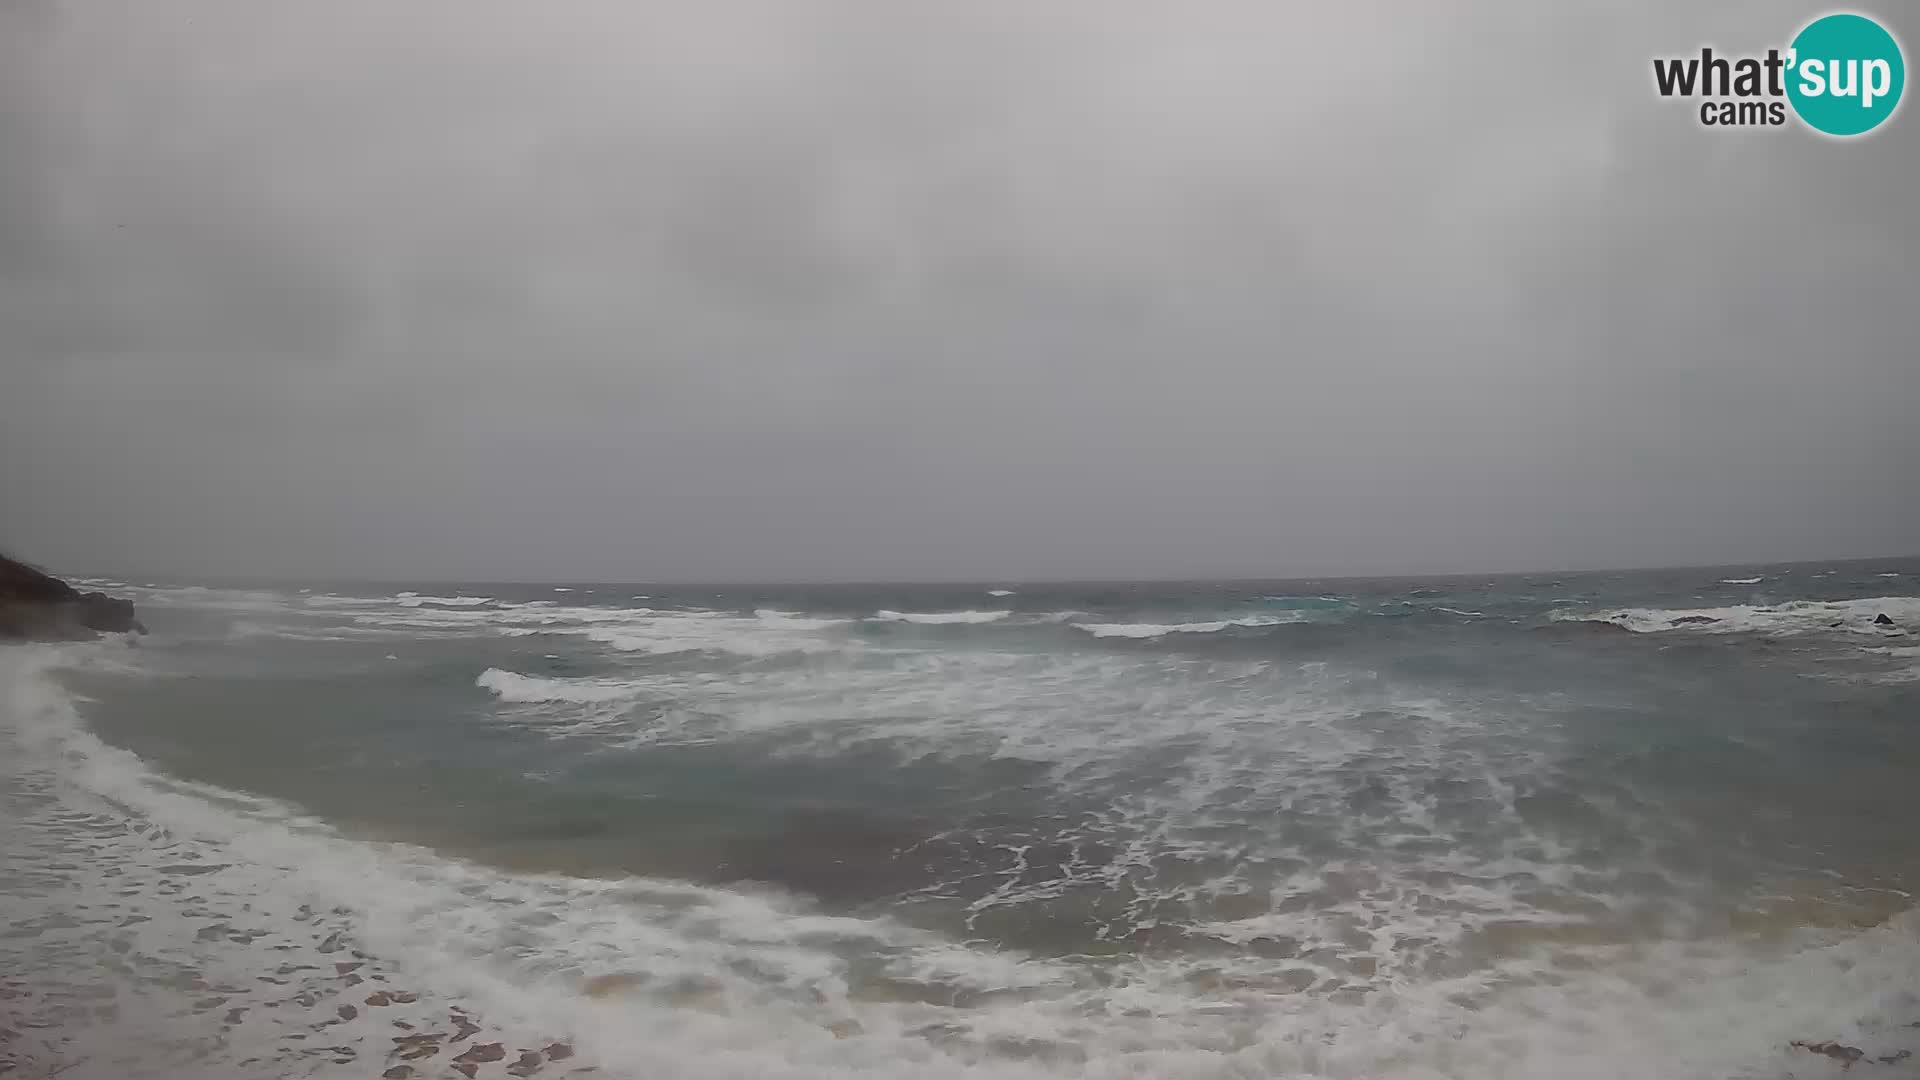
[(941, 618), (1792, 617), (719, 983), (1154, 630)]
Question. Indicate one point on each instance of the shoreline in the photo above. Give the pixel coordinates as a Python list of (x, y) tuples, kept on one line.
[(191, 928)]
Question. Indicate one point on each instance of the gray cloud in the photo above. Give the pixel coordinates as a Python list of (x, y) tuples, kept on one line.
[(861, 290)]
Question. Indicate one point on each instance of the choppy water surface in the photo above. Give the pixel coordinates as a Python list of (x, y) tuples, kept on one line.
[(1592, 825)]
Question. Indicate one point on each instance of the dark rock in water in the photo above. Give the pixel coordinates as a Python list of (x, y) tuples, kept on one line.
[(1692, 620), (483, 1052), (40, 607), (1834, 1050), (429, 1038), (1894, 1058), (1882, 620)]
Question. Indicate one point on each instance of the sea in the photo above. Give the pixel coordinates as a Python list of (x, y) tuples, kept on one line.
[(1646, 824)]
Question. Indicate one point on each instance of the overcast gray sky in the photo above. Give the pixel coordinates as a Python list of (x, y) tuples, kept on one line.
[(985, 289)]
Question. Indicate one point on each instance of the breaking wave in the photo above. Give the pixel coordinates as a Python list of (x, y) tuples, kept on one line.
[(941, 618), (645, 977), (1154, 630), (1187, 852), (1793, 617), (413, 599)]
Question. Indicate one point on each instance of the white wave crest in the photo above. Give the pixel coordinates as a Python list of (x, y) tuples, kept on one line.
[(332, 600), (940, 618), (1741, 580), (1794, 617), (767, 632), (413, 599), (1153, 630), (632, 629), (793, 620), (740, 639), (729, 984)]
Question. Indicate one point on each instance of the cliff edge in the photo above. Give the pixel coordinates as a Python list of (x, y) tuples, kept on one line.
[(40, 607)]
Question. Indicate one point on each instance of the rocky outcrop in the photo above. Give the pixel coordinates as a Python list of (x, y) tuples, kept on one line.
[(1846, 1055), (40, 607)]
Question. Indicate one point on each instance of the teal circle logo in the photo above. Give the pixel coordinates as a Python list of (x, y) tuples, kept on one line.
[(1845, 74)]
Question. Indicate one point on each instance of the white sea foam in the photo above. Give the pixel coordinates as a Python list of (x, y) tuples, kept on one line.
[(1153, 630), (793, 620), (666, 639), (512, 686), (940, 618), (334, 600), (258, 601), (1793, 617), (766, 633), (412, 599), (250, 628), (517, 619), (1228, 747), (457, 620), (999, 592), (1741, 581), (731, 985)]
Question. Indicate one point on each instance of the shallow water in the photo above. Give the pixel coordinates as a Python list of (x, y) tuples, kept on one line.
[(1587, 825)]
